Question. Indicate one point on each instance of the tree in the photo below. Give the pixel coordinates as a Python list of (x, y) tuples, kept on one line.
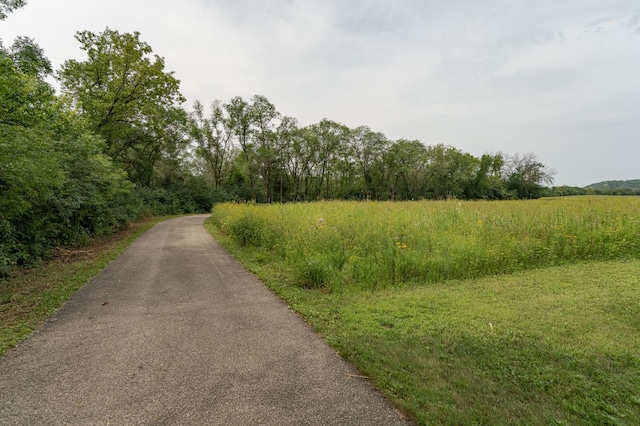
[(328, 160), (487, 183), (265, 119), (285, 134), (8, 6), (56, 184), (449, 172), (407, 161), (525, 175), (28, 159), (330, 139), (298, 157), (368, 149), (126, 96), (213, 139), (24, 98), (29, 58), (241, 122)]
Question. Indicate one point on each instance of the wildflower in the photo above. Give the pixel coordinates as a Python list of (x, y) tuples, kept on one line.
[(400, 245)]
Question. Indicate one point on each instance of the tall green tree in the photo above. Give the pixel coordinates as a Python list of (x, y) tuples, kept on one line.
[(265, 120), (29, 58), (449, 172), (369, 149), (213, 140), (127, 97), (285, 135), (331, 140), (241, 121), (407, 162), (56, 185), (298, 158), (328, 160), (28, 158), (487, 183)]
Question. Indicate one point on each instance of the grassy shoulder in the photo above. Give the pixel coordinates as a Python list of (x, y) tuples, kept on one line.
[(31, 296), (558, 345)]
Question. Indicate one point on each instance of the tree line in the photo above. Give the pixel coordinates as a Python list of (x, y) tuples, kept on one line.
[(566, 191), (251, 151), (116, 144)]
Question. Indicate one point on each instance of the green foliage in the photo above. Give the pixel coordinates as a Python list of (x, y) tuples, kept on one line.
[(26, 98), (112, 149), (615, 187), (29, 58), (525, 176), (368, 149), (566, 191), (212, 136), (56, 185), (252, 151), (605, 188), (127, 98)]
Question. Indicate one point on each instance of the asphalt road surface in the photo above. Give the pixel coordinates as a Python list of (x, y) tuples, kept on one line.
[(176, 332)]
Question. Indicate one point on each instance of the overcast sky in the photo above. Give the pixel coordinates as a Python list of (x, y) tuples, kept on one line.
[(559, 78)]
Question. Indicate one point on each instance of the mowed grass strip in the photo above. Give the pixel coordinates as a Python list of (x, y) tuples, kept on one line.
[(552, 345), (31, 296)]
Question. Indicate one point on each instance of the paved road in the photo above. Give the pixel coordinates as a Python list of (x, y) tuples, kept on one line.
[(175, 331)]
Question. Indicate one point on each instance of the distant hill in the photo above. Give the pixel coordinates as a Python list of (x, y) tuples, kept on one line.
[(615, 184)]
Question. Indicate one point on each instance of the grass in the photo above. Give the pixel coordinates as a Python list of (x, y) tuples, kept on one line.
[(31, 296), (342, 245), (527, 342), (557, 346)]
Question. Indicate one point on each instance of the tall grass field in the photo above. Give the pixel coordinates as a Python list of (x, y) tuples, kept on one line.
[(514, 312)]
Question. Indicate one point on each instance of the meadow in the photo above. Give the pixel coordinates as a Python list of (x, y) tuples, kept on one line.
[(511, 312)]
